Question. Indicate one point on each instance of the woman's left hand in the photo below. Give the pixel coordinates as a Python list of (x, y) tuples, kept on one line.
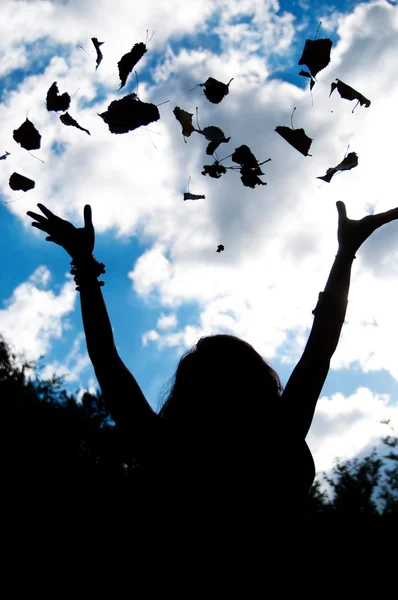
[(352, 233)]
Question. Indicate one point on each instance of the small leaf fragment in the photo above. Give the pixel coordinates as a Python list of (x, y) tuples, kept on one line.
[(27, 136), (296, 138), (129, 113), (20, 182), (189, 196), (56, 101), (97, 45), (220, 248), (348, 163), (348, 93), (70, 121), (215, 90), (127, 63), (185, 119)]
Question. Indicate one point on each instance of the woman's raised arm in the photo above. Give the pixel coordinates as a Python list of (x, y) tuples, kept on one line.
[(129, 408), (305, 383)]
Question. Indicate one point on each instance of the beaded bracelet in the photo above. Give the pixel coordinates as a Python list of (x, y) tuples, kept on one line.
[(85, 273)]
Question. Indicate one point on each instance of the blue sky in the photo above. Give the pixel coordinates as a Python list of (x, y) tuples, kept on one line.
[(279, 240)]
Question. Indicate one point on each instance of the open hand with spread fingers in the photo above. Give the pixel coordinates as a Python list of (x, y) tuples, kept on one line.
[(78, 242), (352, 233)]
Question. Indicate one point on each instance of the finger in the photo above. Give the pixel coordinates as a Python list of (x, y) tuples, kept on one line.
[(37, 217), (341, 209), (47, 212), (41, 227), (87, 217)]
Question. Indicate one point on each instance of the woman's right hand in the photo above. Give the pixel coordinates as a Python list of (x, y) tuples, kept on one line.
[(78, 242)]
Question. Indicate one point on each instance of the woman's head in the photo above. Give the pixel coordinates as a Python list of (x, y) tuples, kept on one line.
[(221, 379)]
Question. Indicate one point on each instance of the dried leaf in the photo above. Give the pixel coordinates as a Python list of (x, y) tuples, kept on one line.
[(27, 136), (250, 178), (244, 156), (189, 196), (4, 156), (70, 121), (128, 114), (250, 168), (220, 248), (316, 55), (127, 63), (296, 138), (20, 182), (215, 136), (97, 45), (349, 162), (185, 119), (349, 93), (215, 170), (215, 90), (57, 101)]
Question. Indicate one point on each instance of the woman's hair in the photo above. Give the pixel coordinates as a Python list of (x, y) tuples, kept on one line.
[(222, 378)]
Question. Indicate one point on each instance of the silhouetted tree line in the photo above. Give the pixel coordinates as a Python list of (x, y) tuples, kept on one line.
[(64, 460)]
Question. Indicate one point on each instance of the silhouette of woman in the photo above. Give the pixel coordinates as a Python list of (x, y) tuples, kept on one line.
[(227, 450)]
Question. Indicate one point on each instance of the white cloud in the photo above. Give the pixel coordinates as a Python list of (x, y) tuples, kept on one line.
[(167, 321), (150, 336), (34, 316), (279, 239), (344, 427)]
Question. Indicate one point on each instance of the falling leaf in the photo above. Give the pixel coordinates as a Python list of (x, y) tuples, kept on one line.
[(97, 45), (250, 178), (127, 63), (27, 136), (129, 113), (220, 248), (5, 155), (20, 182), (189, 196), (57, 101), (250, 168), (244, 156), (349, 93), (296, 138), (215, 90), (316, 55), (215, 170), (349, 162), (215, 136), (185, 119), (70, 121)]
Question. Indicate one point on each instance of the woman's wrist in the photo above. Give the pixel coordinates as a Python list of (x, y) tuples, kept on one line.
[(86, 270), (346, 253)]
